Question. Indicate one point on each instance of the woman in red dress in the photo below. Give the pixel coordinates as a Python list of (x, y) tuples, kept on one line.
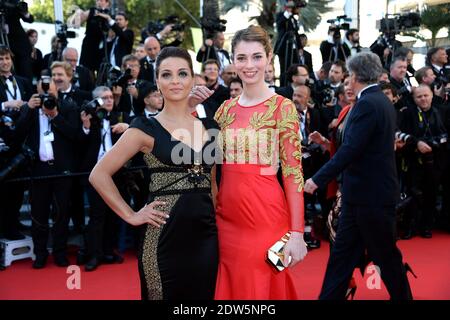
[(259, 131)]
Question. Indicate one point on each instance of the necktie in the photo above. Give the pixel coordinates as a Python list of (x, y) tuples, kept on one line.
[(10, 78)]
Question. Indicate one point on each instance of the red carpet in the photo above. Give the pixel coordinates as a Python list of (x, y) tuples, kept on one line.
[(429, 258)]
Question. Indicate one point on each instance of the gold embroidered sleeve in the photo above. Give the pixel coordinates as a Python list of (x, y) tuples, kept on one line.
[(223, 117), (289, 143)]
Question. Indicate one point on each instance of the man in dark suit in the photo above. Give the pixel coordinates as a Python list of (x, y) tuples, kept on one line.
[(129, 97), (351, 41), (370, 188), (148, 63), (288, 40), (82, 77), (18, 39), (99, 135), (297, 74), (122, 43), (52, 132), (213, 49), (304, 56), (15, 91), (332, 49)]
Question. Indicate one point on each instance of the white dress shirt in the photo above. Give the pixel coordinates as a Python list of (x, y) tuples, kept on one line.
[(46, 137)]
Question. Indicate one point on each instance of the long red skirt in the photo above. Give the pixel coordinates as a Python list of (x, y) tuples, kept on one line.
[(252, 214)]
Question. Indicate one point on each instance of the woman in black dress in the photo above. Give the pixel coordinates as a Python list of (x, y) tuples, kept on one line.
[(178, 255)]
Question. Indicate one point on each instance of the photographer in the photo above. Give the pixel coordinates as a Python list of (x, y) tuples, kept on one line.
[(82, 77), (296, 75), (351, 41), (148, 63), (122, 42), (102, 128), (212, 48), (94, 42), (288, 39), (426, 153), (332, 49), (385, 46), (436, 59), (14, 92), (127, 90), (52, 130), (304, 56), (17, 37), (397, 77)]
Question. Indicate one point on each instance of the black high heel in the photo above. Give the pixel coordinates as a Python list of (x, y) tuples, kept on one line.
[(408, 268), (350, 293)]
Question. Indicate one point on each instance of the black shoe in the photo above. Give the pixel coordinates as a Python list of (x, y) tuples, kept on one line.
[(40, 262), (81, 257), (92, 264), (426, 234), (61, 260), (112, 258), (14, 235), (311, 242)]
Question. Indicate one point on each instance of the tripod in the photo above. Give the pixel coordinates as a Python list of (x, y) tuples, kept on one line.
[(336, 48), (105, 66), (3, 30), (287, 54)]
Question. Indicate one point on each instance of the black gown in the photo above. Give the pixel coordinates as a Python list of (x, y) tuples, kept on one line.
[(180, 259)]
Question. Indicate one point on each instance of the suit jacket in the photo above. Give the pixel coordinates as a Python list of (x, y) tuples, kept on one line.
[(83, 79), (286, 92), (366, 156), (308, 61), (91, 142), (138, 104), (65, 128), (147, 71), (24, 85), (328, 54), (124, 44), (211, 53), (79, 97)]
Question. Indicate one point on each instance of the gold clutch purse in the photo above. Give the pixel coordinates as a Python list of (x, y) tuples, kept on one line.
[(275, 254)]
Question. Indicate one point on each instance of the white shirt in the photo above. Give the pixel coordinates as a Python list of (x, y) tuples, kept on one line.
[(438, 68), (45, 138), (149, 114), (106, 142), (369, 86), (10, 92)]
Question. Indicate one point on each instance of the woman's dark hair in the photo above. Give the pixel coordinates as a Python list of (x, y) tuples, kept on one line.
[(173, 52)]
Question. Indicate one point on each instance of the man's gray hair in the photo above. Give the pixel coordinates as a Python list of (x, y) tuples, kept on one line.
[(99, 90), (366, 66)]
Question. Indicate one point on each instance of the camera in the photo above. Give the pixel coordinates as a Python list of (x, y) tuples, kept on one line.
[(325, 93), (26, 155), (117, 78), (8, 5), (403, 91), (338, 24), (94, 108), (154, 27), (404, 137), (443, 78), (62, 33), (211, 26), (399, 22), (47, 101), (436, 142)]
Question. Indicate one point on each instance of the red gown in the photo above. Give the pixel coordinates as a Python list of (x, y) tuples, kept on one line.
[(252, 209)]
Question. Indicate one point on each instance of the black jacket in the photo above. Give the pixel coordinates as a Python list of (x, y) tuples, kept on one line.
[(65, 128), (147, 72), (24, 85), (328, 53), (124, 44), (366, 156), (91, 142), (83, 79)]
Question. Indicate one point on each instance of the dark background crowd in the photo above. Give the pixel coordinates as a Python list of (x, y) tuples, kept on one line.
[(61, 112)]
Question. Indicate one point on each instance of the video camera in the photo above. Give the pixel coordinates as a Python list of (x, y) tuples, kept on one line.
[(325, 93), (47, 100), (156, 26), (211, 26), (62, 33), (9, 5), (399, 22), (338, 24), (94, 108), (118, 78), (296, 4)]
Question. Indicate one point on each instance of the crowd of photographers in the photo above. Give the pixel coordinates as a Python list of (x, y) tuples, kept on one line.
[(58, 122)]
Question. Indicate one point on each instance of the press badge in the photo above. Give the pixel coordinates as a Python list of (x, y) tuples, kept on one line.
[(49, 136)]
